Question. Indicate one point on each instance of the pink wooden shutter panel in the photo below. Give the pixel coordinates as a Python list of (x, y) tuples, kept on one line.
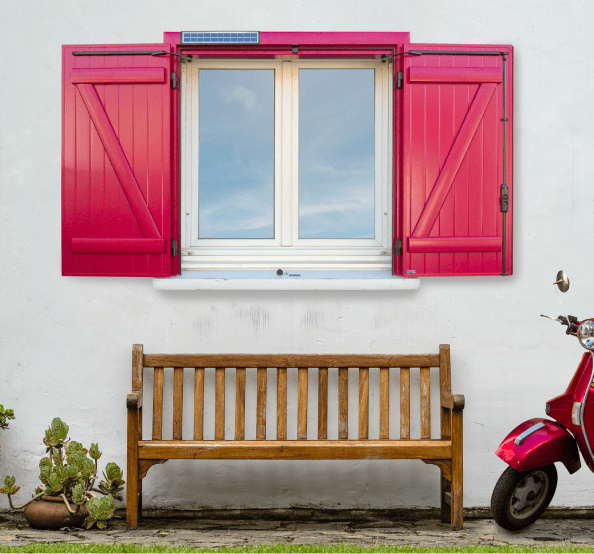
[(117, 163), (453, 156)]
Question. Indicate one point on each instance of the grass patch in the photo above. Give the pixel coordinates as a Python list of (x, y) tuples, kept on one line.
[(346, 548)]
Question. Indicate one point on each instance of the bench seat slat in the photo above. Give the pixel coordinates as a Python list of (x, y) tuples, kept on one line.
[(198, 403), (158, 404), (296, 450), (323, 403), (384, 403), (291, 360), (261, 404), (281, 404)]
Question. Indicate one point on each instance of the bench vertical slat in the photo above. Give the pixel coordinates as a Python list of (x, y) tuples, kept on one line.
[(445, 386), (281, 403), (363, 402), (239, 403), (158, 404), (384, 403), (425, 403), (198, 403), (405, 403), (323, 403), (261, 404), (178, 402), (220, 403), (302, 403), (343, 402)]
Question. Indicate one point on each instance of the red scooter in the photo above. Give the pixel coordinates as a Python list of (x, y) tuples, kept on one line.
[(526, 488)]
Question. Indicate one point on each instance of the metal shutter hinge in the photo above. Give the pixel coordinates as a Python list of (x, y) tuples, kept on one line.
[(399, 79), (173, 79), (504, 199), (174, 251), (398, 248)]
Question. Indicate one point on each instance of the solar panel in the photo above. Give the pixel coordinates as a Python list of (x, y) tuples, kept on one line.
[(220, 37)]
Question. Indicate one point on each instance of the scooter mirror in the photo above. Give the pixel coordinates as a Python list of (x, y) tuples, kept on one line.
[(562, 281)]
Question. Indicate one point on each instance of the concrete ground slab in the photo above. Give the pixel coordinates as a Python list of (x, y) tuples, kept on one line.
[(233, 528)]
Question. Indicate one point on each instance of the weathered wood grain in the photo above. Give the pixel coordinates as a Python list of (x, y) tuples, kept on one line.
[(178, 402), (137, 367), (425, 403), (261, 403), (405, 403), (323, 403), (291, 360), (220, 403), (384, 403), (343, 403), (198, 403), (240, 403), (302, 403), (445, 387), (158, 404), (281, 404), (296, 450), (363, 403)]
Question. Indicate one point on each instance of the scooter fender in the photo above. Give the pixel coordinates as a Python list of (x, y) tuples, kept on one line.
[(539, 442)]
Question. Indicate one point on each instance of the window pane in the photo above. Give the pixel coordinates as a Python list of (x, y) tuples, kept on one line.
[(236, 149), (336, 153)]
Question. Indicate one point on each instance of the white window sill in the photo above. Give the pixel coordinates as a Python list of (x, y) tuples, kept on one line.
[(297, 280)]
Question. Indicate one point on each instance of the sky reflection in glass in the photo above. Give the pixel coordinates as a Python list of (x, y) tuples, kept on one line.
[(236, 166), (336, 153)]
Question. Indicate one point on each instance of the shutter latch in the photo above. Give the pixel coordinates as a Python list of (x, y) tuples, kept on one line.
[(174, 251), (173, 79), (504, 199), (398, 248), (399, 79)]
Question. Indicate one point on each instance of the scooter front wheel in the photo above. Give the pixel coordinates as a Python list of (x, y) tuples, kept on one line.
[(520, 498)]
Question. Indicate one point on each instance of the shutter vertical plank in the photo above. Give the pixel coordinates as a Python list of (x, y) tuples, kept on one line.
[(178, 402), (198, 403), (302, 403), (425, 403), (343, 402), (363, 403), (261, 404), (281, 404), (384, 403), (239, 403), (158, 404), (323, 403), (405, 403), (220, 403)]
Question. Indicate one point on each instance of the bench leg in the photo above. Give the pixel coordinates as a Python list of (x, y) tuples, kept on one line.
[(445, 496), (132, 476), (140, 500), (457, 480)]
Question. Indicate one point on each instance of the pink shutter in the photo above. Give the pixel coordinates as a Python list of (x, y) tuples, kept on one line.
[(117, 162), (453, 160)]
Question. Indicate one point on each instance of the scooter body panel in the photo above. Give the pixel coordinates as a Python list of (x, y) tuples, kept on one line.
[(539, 442)]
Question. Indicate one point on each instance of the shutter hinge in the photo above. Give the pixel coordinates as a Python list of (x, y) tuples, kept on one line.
[(504, 199), (295, 48), (174, 251), (399, 79), (173, 79), (398, 248)]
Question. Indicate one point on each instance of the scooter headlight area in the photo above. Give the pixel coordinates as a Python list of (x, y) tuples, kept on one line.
[(585, 334)]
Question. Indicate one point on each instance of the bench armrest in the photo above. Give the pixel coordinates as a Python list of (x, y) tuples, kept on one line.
[(134, 401), (454, 402)]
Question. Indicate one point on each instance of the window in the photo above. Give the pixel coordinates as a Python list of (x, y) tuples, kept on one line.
[(286, 164), (306, 151)]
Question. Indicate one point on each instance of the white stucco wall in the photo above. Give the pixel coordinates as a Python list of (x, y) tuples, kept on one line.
[(65, 342)]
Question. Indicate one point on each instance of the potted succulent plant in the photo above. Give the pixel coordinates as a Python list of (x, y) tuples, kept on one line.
[(66, 497)]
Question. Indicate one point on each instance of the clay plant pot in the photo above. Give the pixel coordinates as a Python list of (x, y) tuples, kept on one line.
[(50, 512)]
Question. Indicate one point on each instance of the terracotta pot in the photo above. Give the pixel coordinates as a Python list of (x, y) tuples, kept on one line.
[(50, 512)]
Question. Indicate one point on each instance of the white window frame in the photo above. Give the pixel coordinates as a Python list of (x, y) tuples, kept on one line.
[(286, 250)]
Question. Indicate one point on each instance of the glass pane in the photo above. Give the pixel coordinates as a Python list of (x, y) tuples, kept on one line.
[(336, 153), (236, 167)]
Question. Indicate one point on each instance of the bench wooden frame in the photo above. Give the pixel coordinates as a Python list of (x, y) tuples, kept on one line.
[(446, 452)]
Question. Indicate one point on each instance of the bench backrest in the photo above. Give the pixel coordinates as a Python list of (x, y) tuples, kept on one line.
[(303, 362)]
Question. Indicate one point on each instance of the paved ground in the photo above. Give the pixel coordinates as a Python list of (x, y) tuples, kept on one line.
[(366, 528)]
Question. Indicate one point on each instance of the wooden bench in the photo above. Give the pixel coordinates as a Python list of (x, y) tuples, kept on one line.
[(445, 452)]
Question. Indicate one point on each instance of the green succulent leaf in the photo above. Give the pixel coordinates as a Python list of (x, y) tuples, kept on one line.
[(72, 447), (54, 485), (9, 485), (45, 462), (87, 469), (94, 451), (44, 474), (90, 521), (56, 434), (100, 510), (113, 472), (78, 494)]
